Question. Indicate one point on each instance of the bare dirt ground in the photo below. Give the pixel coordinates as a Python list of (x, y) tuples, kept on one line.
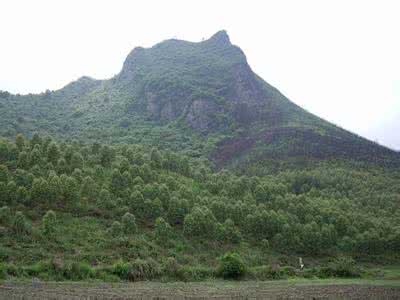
[(207, 290)]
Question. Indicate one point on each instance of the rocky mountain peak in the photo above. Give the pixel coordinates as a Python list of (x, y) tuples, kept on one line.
[(221, 38)]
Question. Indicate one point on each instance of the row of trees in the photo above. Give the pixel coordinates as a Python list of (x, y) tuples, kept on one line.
[(322, 211)]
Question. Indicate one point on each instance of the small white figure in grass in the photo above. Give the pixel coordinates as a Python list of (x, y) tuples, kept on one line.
[(301, 263)]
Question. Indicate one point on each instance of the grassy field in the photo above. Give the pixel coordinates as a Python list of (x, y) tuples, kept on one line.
[(294, 289)]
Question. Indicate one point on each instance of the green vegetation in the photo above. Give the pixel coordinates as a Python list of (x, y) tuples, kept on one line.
[(73, 211), (187, 166)]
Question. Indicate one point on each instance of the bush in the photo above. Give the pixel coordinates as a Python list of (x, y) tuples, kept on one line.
[(137, 270), (78, 271), (231, 265), (268, 273), (289, 271), (13, 270), (342, 267), (3, 272), (122, 270), (195, 273), (171, 267)]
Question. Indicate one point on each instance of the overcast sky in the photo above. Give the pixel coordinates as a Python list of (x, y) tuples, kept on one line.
[(338, 59)]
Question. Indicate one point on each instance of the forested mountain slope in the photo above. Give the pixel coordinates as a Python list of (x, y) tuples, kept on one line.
[(78, 211), (202, 98)]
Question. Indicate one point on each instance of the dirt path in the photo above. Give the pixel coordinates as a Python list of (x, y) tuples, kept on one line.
[(211, 290)]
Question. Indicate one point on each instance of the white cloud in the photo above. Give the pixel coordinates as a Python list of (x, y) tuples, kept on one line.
[(338, 59)]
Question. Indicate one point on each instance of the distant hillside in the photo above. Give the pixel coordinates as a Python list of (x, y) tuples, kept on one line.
[(202, 98)]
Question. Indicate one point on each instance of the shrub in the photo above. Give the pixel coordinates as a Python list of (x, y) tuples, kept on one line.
[(145, 269), (340, 267), (5, 253), (13, 270), (268, 273), (122, 269), (3, 272), (195, 273), (171, 268), (289, 271), (138, 270), (231, 265), (78, 271)]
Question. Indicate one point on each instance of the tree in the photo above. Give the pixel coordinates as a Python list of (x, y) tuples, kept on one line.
[(5, 215), (137, 203), (62, 167), (20, 224), (146, 173), (200, 223), (11, 192), (76, 161), (88, 188), (116, 229), (151, 191), (20, 141), (124, 165), (23, 160), (177, 210), (155, 158), (227, 232), (129, 223), (105, 199), (3, 152), (70, 189), (68, 153), (36, 156), (40, 191), (106, 156), (36, 140), (49, 223), (53, 153), (162, 230), (4, 174), (55, 187), (117, 182), (152, 209), (22, 195), (164, 195), (96, 148), (77, 174)]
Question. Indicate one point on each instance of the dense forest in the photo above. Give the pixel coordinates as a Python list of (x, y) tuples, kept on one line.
[(74, 210)]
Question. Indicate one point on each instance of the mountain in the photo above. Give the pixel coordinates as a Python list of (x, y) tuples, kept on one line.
[(202, 98), (87, 210)]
